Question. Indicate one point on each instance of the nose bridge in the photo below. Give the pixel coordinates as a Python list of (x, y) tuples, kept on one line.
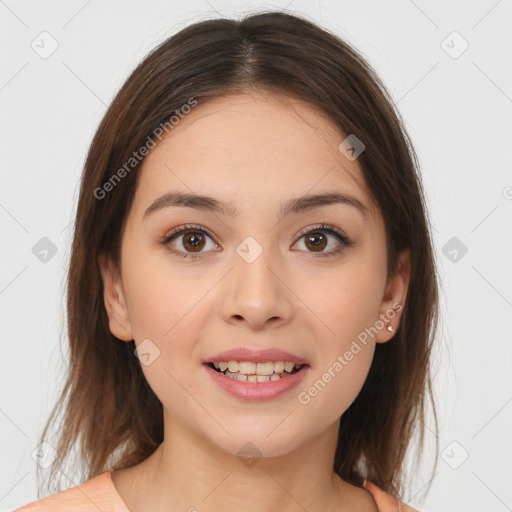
[(255, 290)]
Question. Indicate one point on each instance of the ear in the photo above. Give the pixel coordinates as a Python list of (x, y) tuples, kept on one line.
[(394, 298), (115, 303)]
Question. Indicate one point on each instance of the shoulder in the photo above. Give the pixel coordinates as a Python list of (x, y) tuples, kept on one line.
[(95, 494), (385, 502)]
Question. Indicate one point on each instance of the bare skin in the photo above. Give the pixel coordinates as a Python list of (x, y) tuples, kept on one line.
[(256, 152)]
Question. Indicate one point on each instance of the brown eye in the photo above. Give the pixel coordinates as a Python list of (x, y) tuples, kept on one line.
[(193, 241), (316, 241), (189, 241), (324, 240)]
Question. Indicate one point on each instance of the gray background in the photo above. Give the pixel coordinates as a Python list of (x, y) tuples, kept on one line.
[(457, 106)]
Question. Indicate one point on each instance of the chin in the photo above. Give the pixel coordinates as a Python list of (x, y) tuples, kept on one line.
[(257, 442)]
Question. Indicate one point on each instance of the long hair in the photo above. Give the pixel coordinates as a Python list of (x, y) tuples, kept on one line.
[(109, 410)]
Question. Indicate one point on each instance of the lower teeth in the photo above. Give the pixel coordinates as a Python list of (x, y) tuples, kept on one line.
[(257, 378)]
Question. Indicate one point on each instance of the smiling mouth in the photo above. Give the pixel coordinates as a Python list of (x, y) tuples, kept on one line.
[(256, 372)]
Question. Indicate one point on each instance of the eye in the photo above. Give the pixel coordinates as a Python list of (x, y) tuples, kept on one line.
[(190, 238), (193, 239), (316, 240)]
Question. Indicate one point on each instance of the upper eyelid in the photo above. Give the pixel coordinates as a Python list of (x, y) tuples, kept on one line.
[(179, 231)]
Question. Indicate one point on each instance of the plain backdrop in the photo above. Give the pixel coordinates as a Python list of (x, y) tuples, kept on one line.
[(447, 66)]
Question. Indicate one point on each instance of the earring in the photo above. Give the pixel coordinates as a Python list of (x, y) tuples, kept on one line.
[(390, 328)]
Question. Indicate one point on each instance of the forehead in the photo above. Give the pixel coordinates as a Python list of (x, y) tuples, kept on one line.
[(247, 147)]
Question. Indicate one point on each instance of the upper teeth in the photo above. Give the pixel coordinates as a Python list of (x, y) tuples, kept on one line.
[(265, 368)]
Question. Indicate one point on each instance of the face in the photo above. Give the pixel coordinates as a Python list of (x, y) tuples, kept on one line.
[(197, 281)]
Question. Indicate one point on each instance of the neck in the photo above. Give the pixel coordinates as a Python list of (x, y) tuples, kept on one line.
[(189, 473)]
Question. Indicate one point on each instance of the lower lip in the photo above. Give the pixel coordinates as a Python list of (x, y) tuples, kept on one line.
[(257, 390)]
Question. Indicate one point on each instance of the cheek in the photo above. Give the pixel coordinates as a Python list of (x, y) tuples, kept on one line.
[(166, 305), (347, 301), (157, 298), (163, 308), (348, 305), (153, 309), (343, 363)]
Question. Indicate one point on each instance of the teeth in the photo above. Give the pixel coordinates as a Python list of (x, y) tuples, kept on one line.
[(245, 367), (248, 368), (247, 371), (233, 366), (288, 367), (278, 366), (257, 368), (265, 369)]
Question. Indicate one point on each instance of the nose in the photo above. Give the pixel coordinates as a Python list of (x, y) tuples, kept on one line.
[(257, 293)]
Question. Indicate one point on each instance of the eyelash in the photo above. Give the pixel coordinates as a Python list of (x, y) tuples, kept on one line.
[(325, 228)]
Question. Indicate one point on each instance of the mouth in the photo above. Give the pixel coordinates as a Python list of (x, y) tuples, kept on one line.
[(246, 371)]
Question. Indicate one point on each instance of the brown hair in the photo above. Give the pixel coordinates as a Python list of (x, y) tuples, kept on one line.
[(110, 408)]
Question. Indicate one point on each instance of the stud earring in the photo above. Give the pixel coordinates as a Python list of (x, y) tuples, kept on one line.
[(390, 328)]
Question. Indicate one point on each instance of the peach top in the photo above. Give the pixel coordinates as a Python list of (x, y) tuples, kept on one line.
[(99, 493)]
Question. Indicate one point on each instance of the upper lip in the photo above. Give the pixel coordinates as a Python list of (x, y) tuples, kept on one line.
[(255, 356)]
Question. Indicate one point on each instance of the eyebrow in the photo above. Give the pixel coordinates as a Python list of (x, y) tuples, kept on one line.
[(292, 206)]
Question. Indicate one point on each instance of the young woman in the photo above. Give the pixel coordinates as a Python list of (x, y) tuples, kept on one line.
[(252, 294)]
